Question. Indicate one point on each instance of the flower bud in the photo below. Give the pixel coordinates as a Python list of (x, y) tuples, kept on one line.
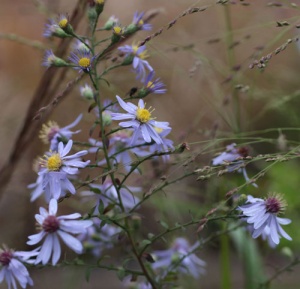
[(99, 6), (110, 23), (87, 92)]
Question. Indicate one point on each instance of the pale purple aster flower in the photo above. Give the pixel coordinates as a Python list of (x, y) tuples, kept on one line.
[(53, 134), (232, 157), (139, 54), (82, 59), (57, 167), (138, 21), (262, 215), (154, 86), (12, 269), (52, 28), (49, 58), (141, 121), (53, 227), (179, 258), (96, 239), (80, 46), (108, 195)]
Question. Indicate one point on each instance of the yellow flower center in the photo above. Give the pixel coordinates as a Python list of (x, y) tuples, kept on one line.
[(141, 23), (63, 23), (143, 115), (150, 85), (135, 48), (142, 55), (100, 1), (84, 62), (117, 30), (54, 162)]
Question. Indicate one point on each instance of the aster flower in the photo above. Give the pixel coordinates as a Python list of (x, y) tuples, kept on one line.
[(153, 86), (53, 134), (82, 59), (12, 269), (137, 55), (53, 29), (53, 228), (138, 21), (51, 60), (57, 167), (108, 195), (98, 238), (141, 121), (80, 46), (179, 258), (232, 157), (262, 216)]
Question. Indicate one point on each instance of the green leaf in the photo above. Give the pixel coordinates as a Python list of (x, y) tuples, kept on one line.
[(101, 207), (164, 224), (145, 243), (88, 272), (250, 256), (121, 273)]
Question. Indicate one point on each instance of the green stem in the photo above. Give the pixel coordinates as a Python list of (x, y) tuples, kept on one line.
[(109, 168)]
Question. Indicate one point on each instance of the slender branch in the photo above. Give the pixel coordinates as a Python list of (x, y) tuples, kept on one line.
[(286, 268)]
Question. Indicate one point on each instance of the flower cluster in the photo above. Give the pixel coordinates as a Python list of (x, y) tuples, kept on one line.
[(115, 208)]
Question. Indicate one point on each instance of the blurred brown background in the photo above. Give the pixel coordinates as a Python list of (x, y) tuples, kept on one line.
[(191, 58)]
